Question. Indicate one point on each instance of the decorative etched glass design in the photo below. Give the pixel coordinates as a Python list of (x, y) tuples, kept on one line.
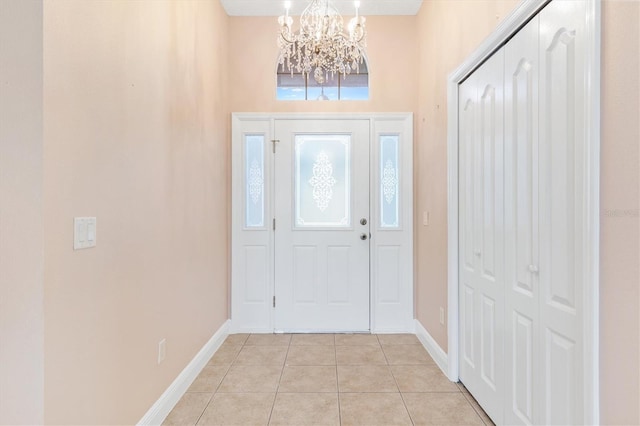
[(389, 182), (254, 181), (322, 180)]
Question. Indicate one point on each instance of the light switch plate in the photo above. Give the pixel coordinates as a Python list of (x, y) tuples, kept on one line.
[(425, 218), (84, 232), (162, 350)]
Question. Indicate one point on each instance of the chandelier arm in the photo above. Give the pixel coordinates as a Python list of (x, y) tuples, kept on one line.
[(286, 39)]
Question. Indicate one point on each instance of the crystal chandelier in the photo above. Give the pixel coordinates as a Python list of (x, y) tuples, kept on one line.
[(320, 46)]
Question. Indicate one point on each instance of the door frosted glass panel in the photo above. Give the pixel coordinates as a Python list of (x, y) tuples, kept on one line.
[(389, 182), (322, 180), (254, 178)]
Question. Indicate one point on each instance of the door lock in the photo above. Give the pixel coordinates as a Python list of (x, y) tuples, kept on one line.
[(363, 236), (363, 221)]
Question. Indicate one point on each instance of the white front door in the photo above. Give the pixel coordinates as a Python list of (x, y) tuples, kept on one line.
[(321, 224), (299, 261)]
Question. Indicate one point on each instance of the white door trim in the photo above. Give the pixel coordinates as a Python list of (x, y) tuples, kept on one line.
[(256, 316), (591, 219)]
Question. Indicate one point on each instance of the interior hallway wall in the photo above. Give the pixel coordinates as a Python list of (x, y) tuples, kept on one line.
[(136, 134), (620, 214), (443, 46), (21, 233), (448, 32), (391, 53)]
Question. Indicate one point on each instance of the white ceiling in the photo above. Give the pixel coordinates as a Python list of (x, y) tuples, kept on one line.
[(345, 7)]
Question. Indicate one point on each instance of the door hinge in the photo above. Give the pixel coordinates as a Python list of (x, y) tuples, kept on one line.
[(274, 301), (274, 223), (274, 142)]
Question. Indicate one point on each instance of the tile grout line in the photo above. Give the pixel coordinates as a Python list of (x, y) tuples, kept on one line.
[(221, 380), (335, 354), (284, 363), (395, 381)]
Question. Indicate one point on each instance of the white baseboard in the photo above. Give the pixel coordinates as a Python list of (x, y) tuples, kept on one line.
[(163, 406), (436, 352)]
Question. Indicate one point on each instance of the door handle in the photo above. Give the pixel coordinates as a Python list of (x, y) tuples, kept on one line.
[(363, 236), (363, 221)]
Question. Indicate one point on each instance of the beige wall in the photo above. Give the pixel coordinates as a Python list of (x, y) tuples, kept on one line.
[(21, 240), (448, 32), (620, 185), (620, 214), (136, 134), (391, 53)]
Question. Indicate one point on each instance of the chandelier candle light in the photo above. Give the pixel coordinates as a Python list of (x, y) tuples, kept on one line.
[(321, 46)]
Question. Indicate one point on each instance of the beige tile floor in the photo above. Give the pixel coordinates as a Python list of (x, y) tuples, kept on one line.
[(324, 379)]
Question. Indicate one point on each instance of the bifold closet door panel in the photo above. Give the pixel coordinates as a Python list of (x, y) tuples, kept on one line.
[(521, 227), (468, 263), (561, 159), (482, 235)]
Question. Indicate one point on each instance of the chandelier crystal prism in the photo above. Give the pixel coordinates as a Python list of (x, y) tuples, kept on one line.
[(321, 47)]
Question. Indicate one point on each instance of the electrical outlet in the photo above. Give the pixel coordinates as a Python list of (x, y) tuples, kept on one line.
[(162, 350), (441, 315)]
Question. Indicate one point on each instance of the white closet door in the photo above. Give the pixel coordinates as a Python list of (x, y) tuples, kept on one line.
[(521, 284), (468, 264), (482, 239), (522, 290), (561, 158)]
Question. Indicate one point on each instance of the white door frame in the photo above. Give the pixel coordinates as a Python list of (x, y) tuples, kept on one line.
[(386, 315), (591, 213)]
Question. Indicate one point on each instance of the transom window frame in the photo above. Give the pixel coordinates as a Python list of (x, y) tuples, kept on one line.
[(329, 89)]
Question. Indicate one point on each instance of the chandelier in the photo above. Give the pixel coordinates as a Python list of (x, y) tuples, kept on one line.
[(321, 46)]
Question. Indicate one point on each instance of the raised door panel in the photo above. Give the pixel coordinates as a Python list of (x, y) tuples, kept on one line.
[(468, 334), (521, 357), (467, 180), (388, 265), (521, 225), (338, 275), (256, 274), (305, 275)]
